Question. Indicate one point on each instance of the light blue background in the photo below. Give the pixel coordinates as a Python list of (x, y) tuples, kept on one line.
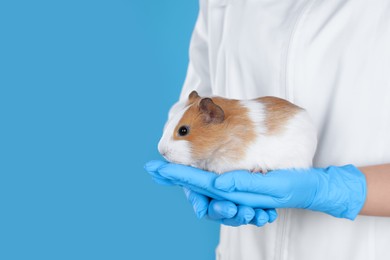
[(85, 87)]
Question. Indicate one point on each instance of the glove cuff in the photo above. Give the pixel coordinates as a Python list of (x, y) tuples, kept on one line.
[(344, 194)]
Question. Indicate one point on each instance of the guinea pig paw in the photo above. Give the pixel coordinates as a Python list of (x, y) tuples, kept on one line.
[(259, 170)]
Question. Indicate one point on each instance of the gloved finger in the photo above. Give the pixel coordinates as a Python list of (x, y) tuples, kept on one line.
[(221, 209), (252, 200), (199, 202), (187, 175), (273, 215), (261, 218), (249, 182), (243, 217), (162, 181), (152, 167)]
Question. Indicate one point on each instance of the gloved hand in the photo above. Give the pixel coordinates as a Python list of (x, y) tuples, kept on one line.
[(222, 211), (227, 212), (337, 191)]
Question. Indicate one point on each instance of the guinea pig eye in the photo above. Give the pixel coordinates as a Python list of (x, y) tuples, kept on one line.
[(183, 130)]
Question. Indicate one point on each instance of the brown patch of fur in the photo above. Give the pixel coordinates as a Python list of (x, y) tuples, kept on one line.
[(227, 139), (279, 111)]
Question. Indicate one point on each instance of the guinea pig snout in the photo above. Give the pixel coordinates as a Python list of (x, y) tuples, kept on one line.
[(175, 151), (164, 153), (162, 149)]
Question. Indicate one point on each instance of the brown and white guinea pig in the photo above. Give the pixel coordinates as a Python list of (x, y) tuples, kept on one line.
[(219, 135)]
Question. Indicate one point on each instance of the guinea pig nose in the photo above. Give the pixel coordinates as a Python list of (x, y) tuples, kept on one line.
[(162, 151)]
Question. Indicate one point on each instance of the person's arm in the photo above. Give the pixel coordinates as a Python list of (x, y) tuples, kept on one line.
[(378, 190), (198, 71)]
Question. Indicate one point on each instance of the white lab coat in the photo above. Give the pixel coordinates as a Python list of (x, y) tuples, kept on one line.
[(330, 57)]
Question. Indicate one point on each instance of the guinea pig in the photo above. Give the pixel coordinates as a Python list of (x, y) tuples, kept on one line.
[(220, 135)]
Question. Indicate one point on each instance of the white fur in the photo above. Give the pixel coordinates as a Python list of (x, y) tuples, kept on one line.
[(293, 147), (177, 151), (257, 114)]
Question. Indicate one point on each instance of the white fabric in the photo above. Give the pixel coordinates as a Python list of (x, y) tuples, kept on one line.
[(330, 57)]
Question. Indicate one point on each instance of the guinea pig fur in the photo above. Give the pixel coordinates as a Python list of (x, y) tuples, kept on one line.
[(219, 135)]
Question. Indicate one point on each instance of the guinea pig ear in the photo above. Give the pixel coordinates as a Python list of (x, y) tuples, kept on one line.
[(193, 96), (211, 112)]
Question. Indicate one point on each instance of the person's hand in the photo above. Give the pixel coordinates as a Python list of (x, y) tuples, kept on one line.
[(338, 191), (223, 211)]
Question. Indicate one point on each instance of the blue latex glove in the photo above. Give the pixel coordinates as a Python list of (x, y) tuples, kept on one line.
[(227, 212), (222, 211), (337, 191)]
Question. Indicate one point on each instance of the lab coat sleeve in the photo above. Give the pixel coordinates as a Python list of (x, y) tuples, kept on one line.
[(198, 75)]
